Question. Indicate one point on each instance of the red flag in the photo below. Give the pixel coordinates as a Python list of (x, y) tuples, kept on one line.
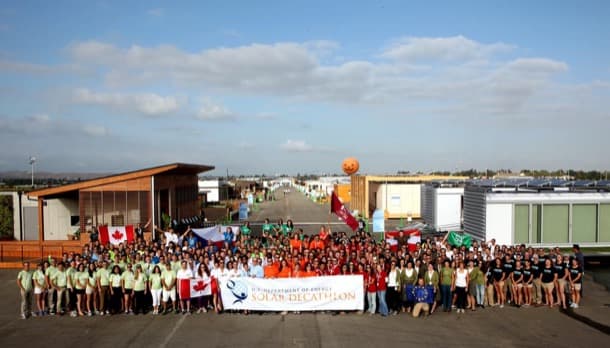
[(339, 209), (115, 234)]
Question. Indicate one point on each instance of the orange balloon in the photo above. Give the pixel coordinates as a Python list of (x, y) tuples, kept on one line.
[(350, 165)]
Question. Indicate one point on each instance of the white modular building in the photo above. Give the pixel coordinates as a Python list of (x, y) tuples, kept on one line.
[(442, 205), (539, 212), (215, 190), (398, 200)]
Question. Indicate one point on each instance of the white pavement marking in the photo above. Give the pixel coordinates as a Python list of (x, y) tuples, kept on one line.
[(173, 332)]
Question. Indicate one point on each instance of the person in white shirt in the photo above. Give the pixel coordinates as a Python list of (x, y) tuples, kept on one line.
[(184, 273), (460, 286), (393, 294)]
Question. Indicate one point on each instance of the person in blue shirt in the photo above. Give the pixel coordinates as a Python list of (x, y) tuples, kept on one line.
[(256, 271), (228, 235)]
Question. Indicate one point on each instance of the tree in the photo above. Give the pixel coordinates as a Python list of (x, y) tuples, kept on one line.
[(6, 217)]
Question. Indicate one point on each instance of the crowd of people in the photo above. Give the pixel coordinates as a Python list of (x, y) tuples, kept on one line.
[(143, 276)]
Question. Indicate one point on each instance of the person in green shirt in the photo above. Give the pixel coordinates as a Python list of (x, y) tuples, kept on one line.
[(103, 286), (49, 272), (156, 288), (168, 280), (24, 282), (279, 228), (447, 278), (245, 232), (91, 289), (71, 277), (116, 292), (81, 279), (140, 289), (127, 283), (59, 282), (40, 288)]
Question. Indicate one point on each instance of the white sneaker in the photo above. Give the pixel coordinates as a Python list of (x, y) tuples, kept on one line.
[(501, 306)]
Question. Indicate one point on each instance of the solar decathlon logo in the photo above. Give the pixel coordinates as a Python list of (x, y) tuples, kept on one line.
[(238, 289)]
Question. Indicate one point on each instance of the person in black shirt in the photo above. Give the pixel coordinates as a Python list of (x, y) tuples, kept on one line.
[(537, 267), (498, 276), (508, 265), (561, 281), (139, 230), (516, 278), (528, 280), (575, 276), (548, 277)]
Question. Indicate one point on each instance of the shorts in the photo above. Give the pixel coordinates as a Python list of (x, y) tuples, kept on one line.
[(562, 283), (38, 290), (519, 285), (79, 291), (171, 294), (89, 291), (530, 285), (548, 286), (577, 286)]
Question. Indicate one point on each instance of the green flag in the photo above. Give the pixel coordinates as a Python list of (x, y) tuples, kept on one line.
[(457, 239)]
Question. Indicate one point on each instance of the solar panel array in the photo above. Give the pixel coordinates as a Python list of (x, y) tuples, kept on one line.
[(541, 183)]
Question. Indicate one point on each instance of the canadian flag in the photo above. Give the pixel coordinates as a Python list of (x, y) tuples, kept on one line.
[(193, 288), (116, 234)]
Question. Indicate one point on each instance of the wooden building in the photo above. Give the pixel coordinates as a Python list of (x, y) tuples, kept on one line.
[(122, 199)]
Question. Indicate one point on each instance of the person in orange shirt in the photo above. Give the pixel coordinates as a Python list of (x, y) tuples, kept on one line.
[(284, 271), (270, 270), (295, 243), (323, 234), (309, 272), (316, 243), (297, 273)]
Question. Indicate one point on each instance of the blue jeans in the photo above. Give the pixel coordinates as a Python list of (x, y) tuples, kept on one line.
[(446, 296), (383, 307), (371, 299), (480, 293)]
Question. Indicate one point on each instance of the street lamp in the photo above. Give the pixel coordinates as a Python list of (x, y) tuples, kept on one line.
[(32, 161)]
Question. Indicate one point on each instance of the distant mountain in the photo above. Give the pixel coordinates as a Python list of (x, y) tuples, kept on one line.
[(50, 175)]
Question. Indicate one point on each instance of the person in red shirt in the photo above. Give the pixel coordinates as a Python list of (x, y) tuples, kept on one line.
[(382, 281), (335, 267), (371, 289)]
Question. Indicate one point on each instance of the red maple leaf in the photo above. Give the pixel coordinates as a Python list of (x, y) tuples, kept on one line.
[(200, 286), (117, 235)]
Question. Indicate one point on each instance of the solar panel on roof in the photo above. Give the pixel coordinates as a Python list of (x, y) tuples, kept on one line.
[(584, 183)]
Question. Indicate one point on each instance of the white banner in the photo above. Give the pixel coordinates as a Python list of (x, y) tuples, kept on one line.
[(294, 294)]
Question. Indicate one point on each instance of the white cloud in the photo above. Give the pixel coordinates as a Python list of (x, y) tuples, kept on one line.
[(453, 74), (211, 111), (442, 48), (296, 146), (145, 103)]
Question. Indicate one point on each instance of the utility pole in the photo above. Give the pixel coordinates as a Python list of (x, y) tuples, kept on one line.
[(32, 161)]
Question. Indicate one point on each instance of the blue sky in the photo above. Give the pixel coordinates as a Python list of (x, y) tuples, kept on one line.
[(290, 86)]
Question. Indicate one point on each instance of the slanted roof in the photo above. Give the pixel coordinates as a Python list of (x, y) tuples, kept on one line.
[(174, 168)]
